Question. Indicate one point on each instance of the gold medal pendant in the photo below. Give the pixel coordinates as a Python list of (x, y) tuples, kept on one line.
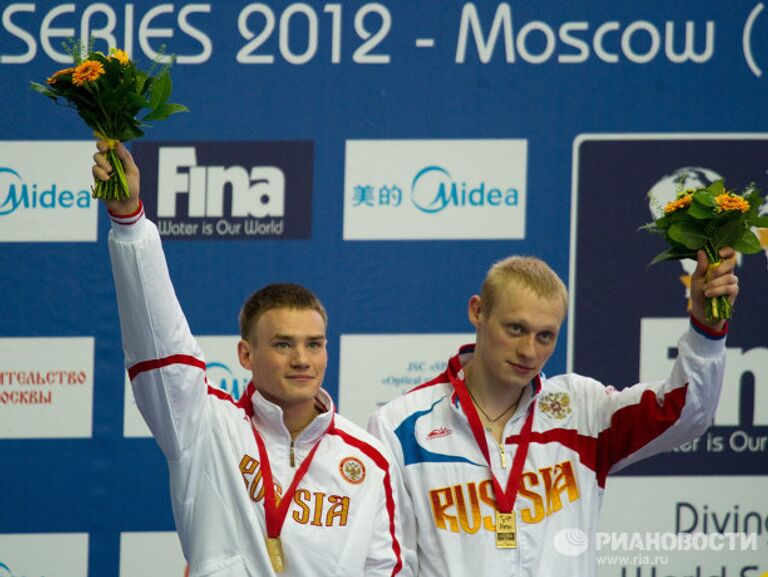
[(275, 550), (506, 530)]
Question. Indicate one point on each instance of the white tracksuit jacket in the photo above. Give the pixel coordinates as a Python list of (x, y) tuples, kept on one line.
[(582, 431), (345, 519)]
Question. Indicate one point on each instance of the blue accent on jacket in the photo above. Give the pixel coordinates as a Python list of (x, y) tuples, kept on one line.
[(413, 453)]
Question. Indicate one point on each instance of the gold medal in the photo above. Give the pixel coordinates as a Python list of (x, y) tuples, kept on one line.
[(506, 530), (276, 510), (275, 550)]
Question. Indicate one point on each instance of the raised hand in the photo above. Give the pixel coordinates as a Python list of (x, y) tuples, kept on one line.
[(102, 170)]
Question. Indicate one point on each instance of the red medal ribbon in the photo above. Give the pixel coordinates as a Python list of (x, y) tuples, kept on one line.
[(505, 499), (275, 514)]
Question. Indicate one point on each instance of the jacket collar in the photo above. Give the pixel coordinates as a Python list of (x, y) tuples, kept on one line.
[(268, 416)]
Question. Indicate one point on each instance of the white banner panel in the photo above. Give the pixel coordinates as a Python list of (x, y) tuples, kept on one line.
[(223, 370), (435, 189), (44, 555), (374, 369), (684, 526), (46, 387), (151, 554), (45, 191)]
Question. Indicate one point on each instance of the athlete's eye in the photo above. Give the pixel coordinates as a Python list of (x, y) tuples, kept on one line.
[(515, 329), (546, 337)]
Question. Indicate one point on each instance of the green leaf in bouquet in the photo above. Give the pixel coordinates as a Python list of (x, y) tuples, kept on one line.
[(657, 226), (128, 109), (126, 116), (142, 82), (44, 90), (129, 132), (160, 90), (93, 120), (98, 57), (680, 216), (88, 106), (704, 198), (164, 111), (716, 188), (752, 196), (747, 244), (700, 211), (688, 234), (758, 221), (136, 100), (727, 216), (727, 234), (114, 70), (673, 254), (110, 98)]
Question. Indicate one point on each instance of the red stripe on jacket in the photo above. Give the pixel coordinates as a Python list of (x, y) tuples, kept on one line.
[(152, 364), (440, 379), (632, 427), (382, 463)]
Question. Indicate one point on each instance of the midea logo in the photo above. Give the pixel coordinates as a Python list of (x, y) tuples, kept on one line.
[(223, 376), (5, 571), (16, 194), (433, 189)]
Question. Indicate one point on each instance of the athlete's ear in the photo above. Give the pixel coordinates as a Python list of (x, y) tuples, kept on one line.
[(244, 355), (475, 310)]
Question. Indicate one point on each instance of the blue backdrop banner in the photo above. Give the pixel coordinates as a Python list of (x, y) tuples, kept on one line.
[(384, 154)]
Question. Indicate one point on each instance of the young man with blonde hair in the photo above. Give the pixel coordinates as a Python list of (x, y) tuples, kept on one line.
[(276, 482), (499, 461), (525, 271)]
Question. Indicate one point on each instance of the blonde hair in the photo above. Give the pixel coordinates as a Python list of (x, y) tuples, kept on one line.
[(525, 271)]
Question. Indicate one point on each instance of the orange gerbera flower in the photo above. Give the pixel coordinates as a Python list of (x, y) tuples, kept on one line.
[(678, 203), (87, 71), (56, 75), (731, 202), (119, 55)]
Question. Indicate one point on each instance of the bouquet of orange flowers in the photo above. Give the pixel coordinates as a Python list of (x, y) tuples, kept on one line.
[(108, 92), (709, 219)]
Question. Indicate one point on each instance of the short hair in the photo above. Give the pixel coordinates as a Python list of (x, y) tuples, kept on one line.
[(526, 271), (278, 296)]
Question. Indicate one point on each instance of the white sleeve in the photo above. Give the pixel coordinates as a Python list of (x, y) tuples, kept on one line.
[(164, 362), (650, 418)]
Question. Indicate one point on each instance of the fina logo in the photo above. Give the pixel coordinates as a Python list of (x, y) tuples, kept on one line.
[(15, 194), (256, 192), (222, 376), (433, 189)]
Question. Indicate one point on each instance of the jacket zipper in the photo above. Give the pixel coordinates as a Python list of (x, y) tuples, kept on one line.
[(503, 456)]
